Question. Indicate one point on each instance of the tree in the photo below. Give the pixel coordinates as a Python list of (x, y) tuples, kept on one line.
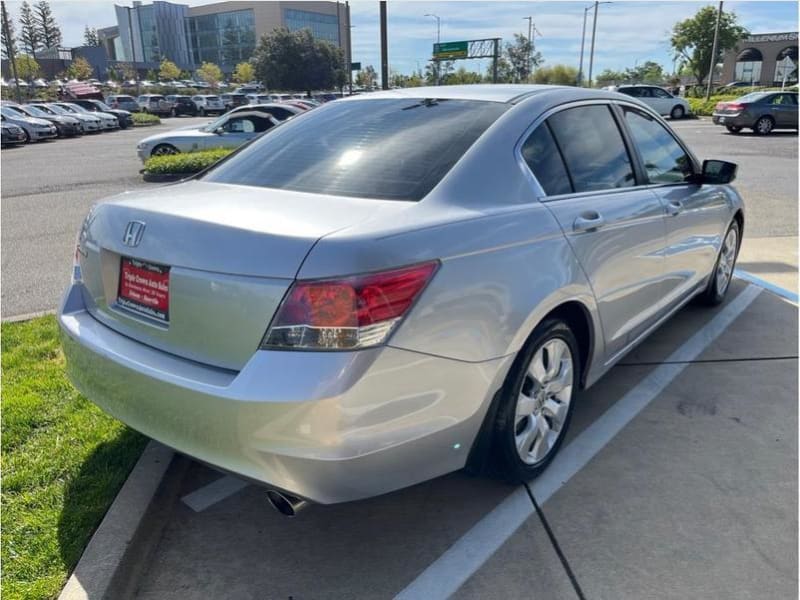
[(556, 75), (29, 30), (9, 39), (210, 73), (90, 37), (169, 71), (80, 69), (127, 71), (367, 77), (49, 31), (462, 76), (520, 58), (693, 39), (609, 77), (295, 60), (244, 72), (647, 72), (27, 67)]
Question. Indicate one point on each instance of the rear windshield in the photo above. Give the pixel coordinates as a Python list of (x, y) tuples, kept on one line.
[(386, 149), (125, 99), (212, 98)]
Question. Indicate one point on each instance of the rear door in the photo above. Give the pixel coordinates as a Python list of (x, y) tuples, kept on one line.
[(615, 228), (694, 214)]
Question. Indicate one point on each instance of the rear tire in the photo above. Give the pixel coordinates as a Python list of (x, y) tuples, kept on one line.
[(173, 112), (27, 136), (202, 112), (733, 128), (721, 276), (536, 403), (764, 125), (677, 112)]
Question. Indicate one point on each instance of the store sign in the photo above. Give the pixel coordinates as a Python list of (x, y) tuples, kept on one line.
[(790, 36)]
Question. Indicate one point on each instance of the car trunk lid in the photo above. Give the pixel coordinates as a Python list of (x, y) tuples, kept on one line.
[(218, 257)]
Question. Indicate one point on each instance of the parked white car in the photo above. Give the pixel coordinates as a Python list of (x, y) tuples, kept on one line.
[(229, 131), (658, 99), (208, 104), (107, 120), (35, 129), (89, 122)]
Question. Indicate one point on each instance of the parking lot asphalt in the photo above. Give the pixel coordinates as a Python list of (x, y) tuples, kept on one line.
[(678, 479), (46, 190)]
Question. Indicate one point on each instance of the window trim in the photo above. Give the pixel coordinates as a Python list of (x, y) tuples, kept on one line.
[(696, 168), (541, 196)]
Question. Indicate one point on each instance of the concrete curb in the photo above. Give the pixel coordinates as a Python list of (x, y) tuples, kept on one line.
[(28, 316), (165, 177), (100, 568)]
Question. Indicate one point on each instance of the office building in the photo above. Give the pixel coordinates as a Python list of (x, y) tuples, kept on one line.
[(762, 58)]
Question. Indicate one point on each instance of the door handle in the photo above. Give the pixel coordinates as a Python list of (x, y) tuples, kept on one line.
[(674, 207), (589, 221)]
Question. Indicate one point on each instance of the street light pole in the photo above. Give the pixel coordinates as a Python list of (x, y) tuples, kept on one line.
[(591, 51), (438, 41), (583, 43), (713, 53), (530, 42), (384, 49)]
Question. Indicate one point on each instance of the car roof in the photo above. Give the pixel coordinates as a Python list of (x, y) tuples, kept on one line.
[(507, 93)]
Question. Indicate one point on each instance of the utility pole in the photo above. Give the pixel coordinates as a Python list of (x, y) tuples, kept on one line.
[(591, 52), (583, 43), (349, 48), (384, 49), (713, 53), (530, 42), (438, 41), (10, 52), (495, 59)]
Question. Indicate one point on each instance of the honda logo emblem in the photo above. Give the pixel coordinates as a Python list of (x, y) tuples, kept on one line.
[(133, 234)]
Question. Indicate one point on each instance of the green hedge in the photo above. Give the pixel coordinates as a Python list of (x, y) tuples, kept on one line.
[(703, 107), (189, 162), (140, 119)]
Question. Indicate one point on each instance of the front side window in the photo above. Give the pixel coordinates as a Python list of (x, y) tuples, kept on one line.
[(544, 159), (392, 149), (593, 148), (665, 161), (659, 93)]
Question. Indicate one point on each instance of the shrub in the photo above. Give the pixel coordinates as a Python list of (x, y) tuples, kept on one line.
[(189, 162), (703, 107), (140, 119)]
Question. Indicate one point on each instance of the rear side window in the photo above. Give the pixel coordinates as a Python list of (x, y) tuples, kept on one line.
[(664, 159), (393, 149), (544, 159), (593, 149)]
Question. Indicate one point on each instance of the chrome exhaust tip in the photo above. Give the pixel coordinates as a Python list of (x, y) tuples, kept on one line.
[(285, 504)]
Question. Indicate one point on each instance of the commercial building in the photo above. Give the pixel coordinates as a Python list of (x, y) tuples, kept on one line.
[(763, 58), (224, 33)]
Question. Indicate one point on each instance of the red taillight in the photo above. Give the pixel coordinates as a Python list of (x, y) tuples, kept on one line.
[(346, 313), (734, 106)]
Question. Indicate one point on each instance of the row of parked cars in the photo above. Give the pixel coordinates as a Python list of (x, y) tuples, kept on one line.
[(41, 120), (175, 105)]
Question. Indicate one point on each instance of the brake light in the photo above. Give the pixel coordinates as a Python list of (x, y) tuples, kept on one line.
[(734, 106), (346, 313)]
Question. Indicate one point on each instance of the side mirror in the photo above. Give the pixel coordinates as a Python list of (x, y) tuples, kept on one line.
[(219, 130), (718, 171)]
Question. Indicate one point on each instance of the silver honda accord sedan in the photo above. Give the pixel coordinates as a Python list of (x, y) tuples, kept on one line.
[(395, 286)]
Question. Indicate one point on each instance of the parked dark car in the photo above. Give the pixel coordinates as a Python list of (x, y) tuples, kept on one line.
[(231, 101), (182, 105), (65, 126), (12, 134), (123, 116), (760, 111), (735, 86)]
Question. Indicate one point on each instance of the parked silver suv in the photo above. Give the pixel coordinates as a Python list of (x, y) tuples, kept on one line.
[(155, 104)]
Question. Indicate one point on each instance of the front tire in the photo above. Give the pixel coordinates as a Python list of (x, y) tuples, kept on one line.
[(764, 126), (164, 150), (677, 112), (536, 402), (722, 274)]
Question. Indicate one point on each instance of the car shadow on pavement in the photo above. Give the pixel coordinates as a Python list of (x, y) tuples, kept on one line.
[(89, 493)]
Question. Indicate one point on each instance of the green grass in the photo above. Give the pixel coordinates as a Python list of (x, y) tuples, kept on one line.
[(63, 461), (140, 119), (186, 162)]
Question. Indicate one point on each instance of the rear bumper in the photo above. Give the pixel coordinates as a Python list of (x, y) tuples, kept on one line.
[(326, 426), (736, 120)]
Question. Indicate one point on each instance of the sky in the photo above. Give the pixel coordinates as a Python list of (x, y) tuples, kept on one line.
[(627, 31)]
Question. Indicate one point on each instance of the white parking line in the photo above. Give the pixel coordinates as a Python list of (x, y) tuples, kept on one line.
[(214, 492), (442, 578)]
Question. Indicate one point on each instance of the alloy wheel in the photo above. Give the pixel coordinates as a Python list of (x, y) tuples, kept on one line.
[(163, 151), (764, 125), (543, 402), (727, 260)]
